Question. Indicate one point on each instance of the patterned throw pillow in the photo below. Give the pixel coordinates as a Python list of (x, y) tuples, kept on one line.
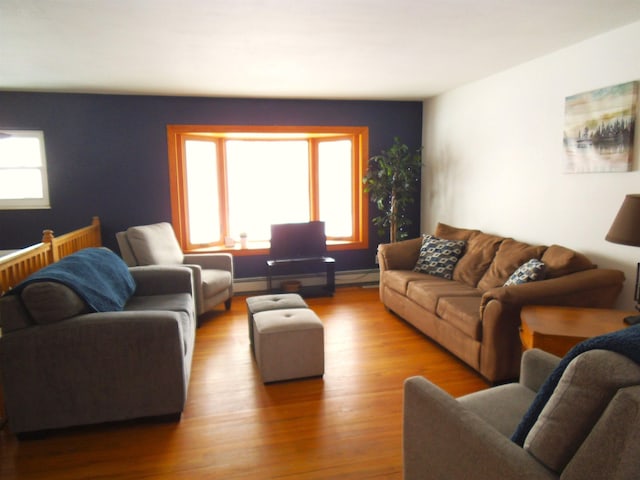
[(530, 271), (438, 256)]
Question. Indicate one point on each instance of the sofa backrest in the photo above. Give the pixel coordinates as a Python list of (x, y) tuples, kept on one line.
[(563, 261), (13, 314), (489, 260), (510, 255), (618, 430)]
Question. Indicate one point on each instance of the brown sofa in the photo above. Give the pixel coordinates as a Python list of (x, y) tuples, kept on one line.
[(473, 314)]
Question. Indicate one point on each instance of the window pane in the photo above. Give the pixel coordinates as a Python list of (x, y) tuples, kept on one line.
[(20, 151), (335, 184), (268, 182), (202, 191), (21, 183)]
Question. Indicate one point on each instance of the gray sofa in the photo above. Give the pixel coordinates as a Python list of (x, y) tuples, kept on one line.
[(63, 364), (588, 429)]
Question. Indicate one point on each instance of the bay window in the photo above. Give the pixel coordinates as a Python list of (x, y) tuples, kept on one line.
[(227, 181)]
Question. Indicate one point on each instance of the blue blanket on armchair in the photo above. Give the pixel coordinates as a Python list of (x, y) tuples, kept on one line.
[(625, 342), (97, 275)]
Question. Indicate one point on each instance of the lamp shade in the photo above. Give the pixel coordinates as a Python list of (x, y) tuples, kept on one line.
[(626, 226)]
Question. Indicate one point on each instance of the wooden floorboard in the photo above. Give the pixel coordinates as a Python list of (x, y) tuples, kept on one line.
[(346, 425)]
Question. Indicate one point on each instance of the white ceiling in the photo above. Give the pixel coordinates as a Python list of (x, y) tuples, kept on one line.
[(355, 49)]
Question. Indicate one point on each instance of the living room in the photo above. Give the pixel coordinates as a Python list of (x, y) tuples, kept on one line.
[(492, 150)]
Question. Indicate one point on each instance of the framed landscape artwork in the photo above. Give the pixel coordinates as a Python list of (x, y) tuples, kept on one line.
[(599, 128)]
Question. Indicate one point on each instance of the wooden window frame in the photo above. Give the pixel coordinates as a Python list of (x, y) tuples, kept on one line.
[(177, 134)]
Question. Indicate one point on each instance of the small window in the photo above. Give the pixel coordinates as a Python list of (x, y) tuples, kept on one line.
[(23, 170)]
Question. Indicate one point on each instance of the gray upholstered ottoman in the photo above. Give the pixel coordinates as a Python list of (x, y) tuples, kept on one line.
[(264, 303), (288, 344)]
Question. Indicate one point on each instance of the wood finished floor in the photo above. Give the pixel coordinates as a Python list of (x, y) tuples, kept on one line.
[(346, 425)]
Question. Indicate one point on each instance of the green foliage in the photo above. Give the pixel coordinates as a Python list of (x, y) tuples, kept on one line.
[(391, 181)]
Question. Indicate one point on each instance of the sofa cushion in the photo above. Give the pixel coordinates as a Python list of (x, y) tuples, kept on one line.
[(439, 256), (50, 302), (510, 255), (529, 271), (583, 393), (155, 244), (453, 233), (401, 255), (427, 293), (173, 302), (463, 313), (563, 261), (479, 253), (399, 280)]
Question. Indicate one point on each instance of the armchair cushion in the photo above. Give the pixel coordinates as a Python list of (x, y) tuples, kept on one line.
[(155, 244), (625, 342), (618, 430), (215, 281), (585, 390)]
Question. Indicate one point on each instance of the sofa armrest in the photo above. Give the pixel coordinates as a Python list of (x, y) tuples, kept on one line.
[(215, 261), (536, 366), (597, 288), (162, 279), (442, 439), (94, 367), (500, 310), (401, 255)]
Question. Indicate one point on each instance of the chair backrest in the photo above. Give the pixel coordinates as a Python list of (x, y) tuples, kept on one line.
[(125, 249), (566, 427), (612, 449), (154, 244)]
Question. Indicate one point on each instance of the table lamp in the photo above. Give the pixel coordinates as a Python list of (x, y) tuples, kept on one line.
[(626, 231)]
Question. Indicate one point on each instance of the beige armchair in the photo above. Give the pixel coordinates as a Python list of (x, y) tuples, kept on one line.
[(157, 244), (588, 429)]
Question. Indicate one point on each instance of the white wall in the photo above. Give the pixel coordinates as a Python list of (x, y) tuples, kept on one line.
[(494, 155)]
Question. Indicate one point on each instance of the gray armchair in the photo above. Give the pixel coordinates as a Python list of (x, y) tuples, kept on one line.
[(157, 244), (589, 429)]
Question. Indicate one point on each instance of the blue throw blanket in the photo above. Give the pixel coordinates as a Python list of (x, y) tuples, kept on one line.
[(97, 275), (625, 342)]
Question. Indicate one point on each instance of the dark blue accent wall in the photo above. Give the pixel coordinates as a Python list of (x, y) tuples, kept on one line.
[(107, 156)]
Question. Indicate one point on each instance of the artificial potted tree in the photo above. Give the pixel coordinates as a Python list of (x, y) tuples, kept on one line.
[(391, 181)]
